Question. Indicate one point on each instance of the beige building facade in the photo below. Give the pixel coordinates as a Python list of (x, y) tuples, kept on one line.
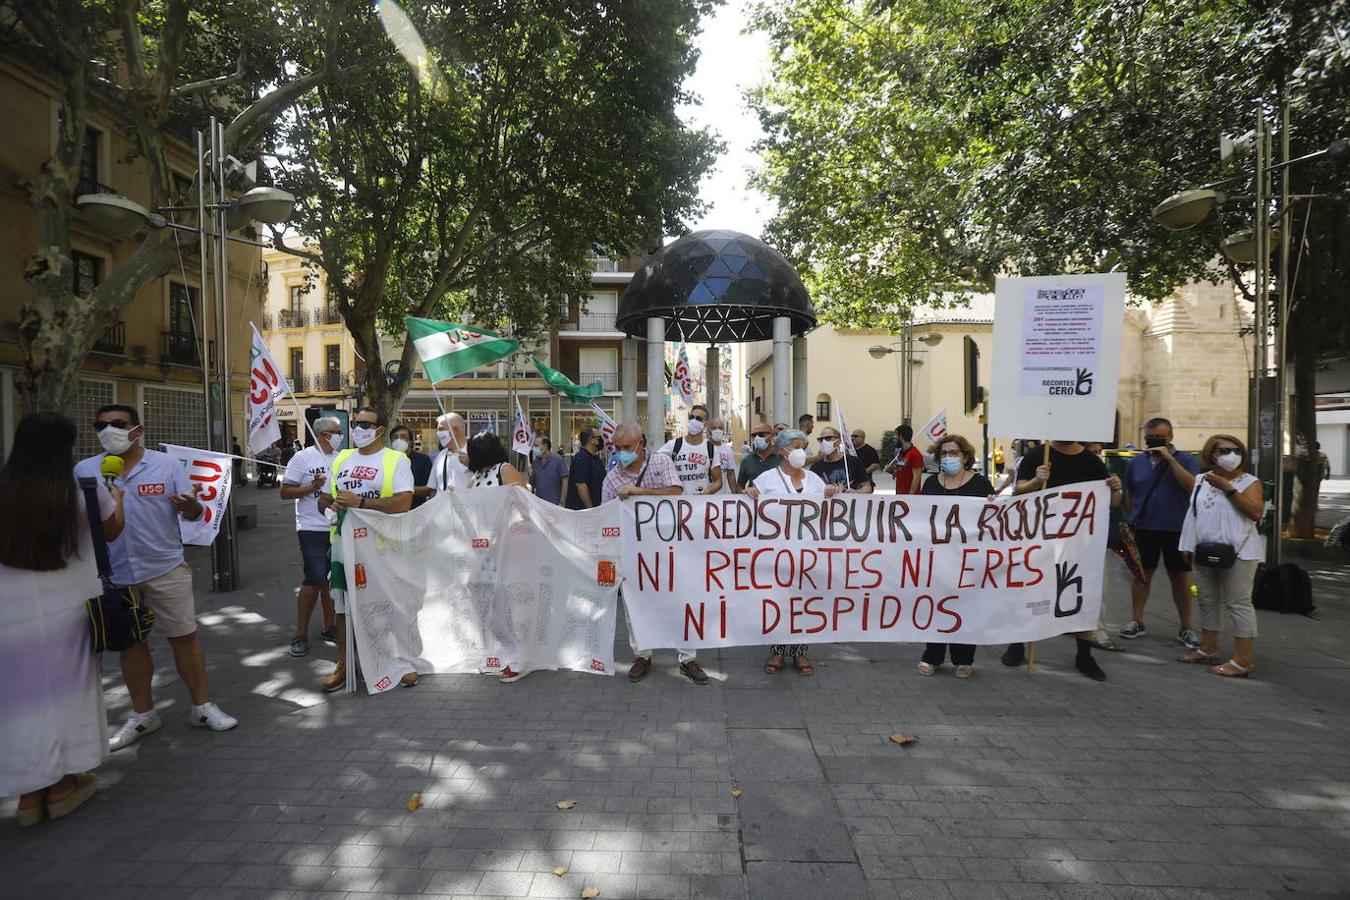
[(151, 358), (1185, 359)]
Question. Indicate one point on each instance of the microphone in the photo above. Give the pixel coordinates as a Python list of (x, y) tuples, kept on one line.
[(111, 468)]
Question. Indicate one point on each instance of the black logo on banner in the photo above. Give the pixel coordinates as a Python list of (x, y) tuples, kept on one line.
[(1067, 577), (1084, 385)]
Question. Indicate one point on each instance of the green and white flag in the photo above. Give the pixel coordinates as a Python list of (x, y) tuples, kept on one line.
[(564, 385), (448, 350)]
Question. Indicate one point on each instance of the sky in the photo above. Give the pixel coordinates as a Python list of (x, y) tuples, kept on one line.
[(730, 62)]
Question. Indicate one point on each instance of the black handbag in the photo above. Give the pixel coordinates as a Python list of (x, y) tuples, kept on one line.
[(1213, 554), (118, 620)]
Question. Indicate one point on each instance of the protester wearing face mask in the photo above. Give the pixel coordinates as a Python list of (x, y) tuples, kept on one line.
[(1158, 486), (790, 479), (303, 482), (450, 470), (836, 467), (401, 440), (368, 476), (586, 478), (548, 472), (148, 556), (907, 466), (761, 457), (723, 457), (692, 455), (1220, 526), (640, 473), (956, 477)]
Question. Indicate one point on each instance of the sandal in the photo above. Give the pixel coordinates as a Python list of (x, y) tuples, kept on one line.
[(27, 818), (773, 668), (1232, 669), (86, 785), (926, 669), (803, 665), (964, 671), (1200, 657)]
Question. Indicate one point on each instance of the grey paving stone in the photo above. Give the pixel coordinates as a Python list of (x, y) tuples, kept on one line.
[(793, 822), (804, 880), (774, 754)]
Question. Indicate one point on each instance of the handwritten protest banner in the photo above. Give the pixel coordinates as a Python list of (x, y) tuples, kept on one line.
[(475, 580), (726, 571)]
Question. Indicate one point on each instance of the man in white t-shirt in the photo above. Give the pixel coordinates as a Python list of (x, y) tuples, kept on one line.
[(372, 476), (692, 456), (306, 474), (449, 470), (723, 458)]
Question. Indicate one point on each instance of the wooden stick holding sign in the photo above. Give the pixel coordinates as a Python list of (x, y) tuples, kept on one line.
[(1031, 647)]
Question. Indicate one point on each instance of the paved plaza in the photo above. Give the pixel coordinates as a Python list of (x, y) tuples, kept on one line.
[(1163, 782)]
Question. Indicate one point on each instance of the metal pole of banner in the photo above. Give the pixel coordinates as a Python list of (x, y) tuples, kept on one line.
[(202, 282), (1275, 549), (225, 550), (1031, 645)]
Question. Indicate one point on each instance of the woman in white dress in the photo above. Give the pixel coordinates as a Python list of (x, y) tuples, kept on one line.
[(790, 479), (488, 468), (51, 700), (1225, 506)]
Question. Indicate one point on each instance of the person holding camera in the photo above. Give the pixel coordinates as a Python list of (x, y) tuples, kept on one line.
[(1219, 536)]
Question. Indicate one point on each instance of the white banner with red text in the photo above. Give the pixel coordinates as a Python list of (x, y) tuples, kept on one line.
[(476, 580), (212, 479), (722, 571)]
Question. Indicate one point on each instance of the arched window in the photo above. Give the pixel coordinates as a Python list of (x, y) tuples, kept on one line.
[(823, 408)]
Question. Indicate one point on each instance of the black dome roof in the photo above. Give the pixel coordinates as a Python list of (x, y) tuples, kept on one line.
[(716, 287)]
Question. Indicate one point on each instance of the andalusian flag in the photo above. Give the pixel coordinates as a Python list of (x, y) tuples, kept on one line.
[(448, 350), (564, 385)]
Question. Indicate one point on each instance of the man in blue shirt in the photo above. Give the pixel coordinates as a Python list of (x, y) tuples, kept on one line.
[(149, 557), (548, 472), (587, 477), (1159, 483)]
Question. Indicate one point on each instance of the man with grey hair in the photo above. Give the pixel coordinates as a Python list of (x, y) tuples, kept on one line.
[(306, 475), (450, 471), (639, 472)]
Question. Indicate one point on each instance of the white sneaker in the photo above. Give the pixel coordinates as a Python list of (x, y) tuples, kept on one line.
[(208, 715), (137, 726)]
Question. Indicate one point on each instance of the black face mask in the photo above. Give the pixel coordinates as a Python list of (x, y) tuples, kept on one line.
[(1155, 442)]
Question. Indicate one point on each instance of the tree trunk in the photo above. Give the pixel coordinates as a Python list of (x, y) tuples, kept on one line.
[(1302, 346)]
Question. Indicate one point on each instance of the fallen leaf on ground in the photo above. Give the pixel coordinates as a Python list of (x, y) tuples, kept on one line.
[(589, 893), (566, 804), (414, 801), (560, 871), (736, 792), (904, 740)]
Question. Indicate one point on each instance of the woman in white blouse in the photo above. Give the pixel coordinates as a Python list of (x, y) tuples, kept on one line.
[(790, 479), (1225, 506)]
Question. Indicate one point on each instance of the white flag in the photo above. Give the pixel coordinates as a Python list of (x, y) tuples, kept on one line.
[(683, 379), (212, 478), (522, 439), (936, 430), (265, 384), (607, 425), (844, 432)]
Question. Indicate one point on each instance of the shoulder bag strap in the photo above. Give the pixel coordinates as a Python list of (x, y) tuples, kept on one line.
[(90, 488), (1157, 479)]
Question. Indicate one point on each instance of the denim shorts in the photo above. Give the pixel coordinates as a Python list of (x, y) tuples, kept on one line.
[(314, 552)]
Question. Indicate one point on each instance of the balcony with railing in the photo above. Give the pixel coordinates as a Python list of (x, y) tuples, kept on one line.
[(331, 382), (609, 379), (291, 318), (298, 383), (590, 322), (325, 315), (180, 349), (87, 185), (113, 340)]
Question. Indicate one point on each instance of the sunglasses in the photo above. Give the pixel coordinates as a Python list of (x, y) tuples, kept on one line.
[(115, 423), (699, 418), (1224, 451)]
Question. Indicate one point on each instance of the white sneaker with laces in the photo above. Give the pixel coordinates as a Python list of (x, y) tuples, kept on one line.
[(137, 726), (208, 715)]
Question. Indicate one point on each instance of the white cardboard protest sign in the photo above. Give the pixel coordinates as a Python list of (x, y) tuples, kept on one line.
[(1057, 345), (729, 571), (475, 580)]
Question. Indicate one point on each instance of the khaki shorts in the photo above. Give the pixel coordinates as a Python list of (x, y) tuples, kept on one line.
[(170, 596)]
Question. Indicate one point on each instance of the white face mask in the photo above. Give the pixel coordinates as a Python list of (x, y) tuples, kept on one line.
[(335, 442), (444, 438), (827, 448), (364, 437), (796, 457), (400, 444), (718, 435), (695, 426), (115, 440), (1226, 461)]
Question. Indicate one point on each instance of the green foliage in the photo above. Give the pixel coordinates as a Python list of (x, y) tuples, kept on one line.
[(555, 135), (918, 150)]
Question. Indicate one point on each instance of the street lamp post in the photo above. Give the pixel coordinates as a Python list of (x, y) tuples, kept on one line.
[(905, 348), (124, 217)]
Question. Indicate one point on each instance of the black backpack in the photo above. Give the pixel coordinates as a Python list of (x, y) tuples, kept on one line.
[(1285, 588)]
